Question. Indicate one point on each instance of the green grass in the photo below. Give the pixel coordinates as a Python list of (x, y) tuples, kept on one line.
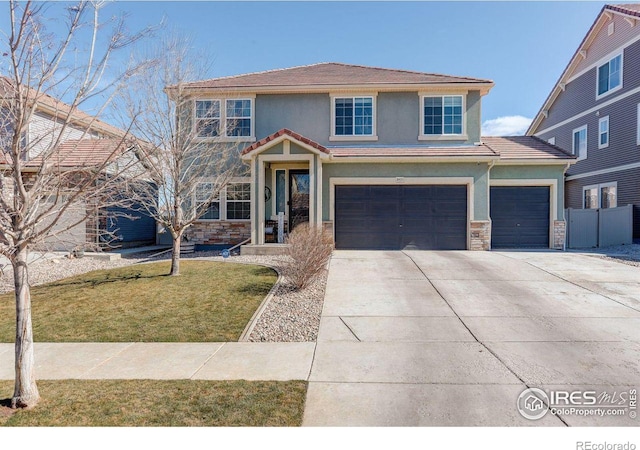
[(159, 403), (208, 302)]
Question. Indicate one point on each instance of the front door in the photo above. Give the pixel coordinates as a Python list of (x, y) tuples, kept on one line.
[(298, 197)]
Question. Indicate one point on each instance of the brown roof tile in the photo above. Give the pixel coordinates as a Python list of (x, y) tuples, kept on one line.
[(284, 132), (525, 147), (83, 153), (333, 74), (363, 152)]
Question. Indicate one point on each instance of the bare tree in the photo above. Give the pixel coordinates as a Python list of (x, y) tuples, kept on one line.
[(42, 177), (183, 152)]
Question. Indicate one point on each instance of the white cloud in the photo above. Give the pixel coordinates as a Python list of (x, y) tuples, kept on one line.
[(506, 126)]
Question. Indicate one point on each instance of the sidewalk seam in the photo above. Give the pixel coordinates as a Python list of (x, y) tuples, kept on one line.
[(206, 361)]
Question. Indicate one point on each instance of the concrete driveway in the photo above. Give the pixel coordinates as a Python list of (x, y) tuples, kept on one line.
[(452, 338)]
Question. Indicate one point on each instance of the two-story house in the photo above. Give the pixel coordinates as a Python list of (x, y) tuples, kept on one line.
[(593, 111), (383, 158), (75, 140)]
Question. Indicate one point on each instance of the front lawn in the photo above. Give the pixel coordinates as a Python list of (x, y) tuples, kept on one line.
[(184, 403), (208, 302)]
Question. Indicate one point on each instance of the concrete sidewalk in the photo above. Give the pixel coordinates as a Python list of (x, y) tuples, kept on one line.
[(162, 361)]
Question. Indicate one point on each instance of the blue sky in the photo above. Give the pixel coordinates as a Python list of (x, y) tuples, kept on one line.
[(522, 46)]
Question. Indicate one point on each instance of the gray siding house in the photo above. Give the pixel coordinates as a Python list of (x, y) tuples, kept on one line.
[(593, 112), (83, 142), (383, 158)]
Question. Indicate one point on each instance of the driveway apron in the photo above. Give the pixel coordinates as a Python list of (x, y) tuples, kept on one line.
[(420, 338)]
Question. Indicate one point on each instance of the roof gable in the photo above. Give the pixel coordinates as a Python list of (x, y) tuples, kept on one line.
[(594, 46)]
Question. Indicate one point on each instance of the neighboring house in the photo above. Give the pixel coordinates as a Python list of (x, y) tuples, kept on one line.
[(383, 158), (86, 142), (593, 112)]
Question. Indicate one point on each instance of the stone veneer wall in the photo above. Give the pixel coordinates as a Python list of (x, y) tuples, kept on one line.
[(219, 232), (559, 234), (480, 235)]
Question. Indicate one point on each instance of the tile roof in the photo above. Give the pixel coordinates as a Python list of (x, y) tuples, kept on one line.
[(451, 151), (83, 153), (284, 132), (506, 148), (334, 74), (524, 147), (59, 108)]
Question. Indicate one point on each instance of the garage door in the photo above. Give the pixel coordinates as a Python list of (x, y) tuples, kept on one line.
[(520, 216), (399, 217)]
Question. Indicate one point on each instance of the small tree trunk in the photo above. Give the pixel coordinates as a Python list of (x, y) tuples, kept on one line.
[(25, 394), (175, 254)]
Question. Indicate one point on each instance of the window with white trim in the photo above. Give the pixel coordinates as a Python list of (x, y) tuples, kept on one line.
[(231, 119), (207, 120), (239, 201), (579, 146), (609, 75), (442, 115), (353, 116), (604, 195), (603, 132), (238, 117), (205, 203)]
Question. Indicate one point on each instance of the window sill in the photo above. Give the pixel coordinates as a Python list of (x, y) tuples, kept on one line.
[(443, 137), (353, 138), (609, 92)]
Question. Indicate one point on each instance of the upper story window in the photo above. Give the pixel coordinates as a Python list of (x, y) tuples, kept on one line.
[(603, 132), (235, 114), (239, 117), (610, 75), (580, 142), (353, 117), (442, 115), (208, 118)]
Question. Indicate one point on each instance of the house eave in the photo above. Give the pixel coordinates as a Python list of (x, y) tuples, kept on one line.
[(411, 159), (484, 88)]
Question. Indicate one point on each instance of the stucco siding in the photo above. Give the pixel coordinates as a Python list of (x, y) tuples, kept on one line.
[(580, 94), (551, 172), (388, 170), (397, 118)]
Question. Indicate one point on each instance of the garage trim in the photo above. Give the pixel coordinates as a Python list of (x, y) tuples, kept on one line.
[(553, 193), (390, 181)]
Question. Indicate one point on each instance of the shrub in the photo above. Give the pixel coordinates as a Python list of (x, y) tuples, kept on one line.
[(309, 251)]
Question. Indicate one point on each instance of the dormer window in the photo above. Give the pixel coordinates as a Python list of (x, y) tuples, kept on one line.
[(610, 76), (353, 118)]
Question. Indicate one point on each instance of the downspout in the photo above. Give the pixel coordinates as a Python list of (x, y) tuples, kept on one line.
[(566, 223), (489, 167)]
